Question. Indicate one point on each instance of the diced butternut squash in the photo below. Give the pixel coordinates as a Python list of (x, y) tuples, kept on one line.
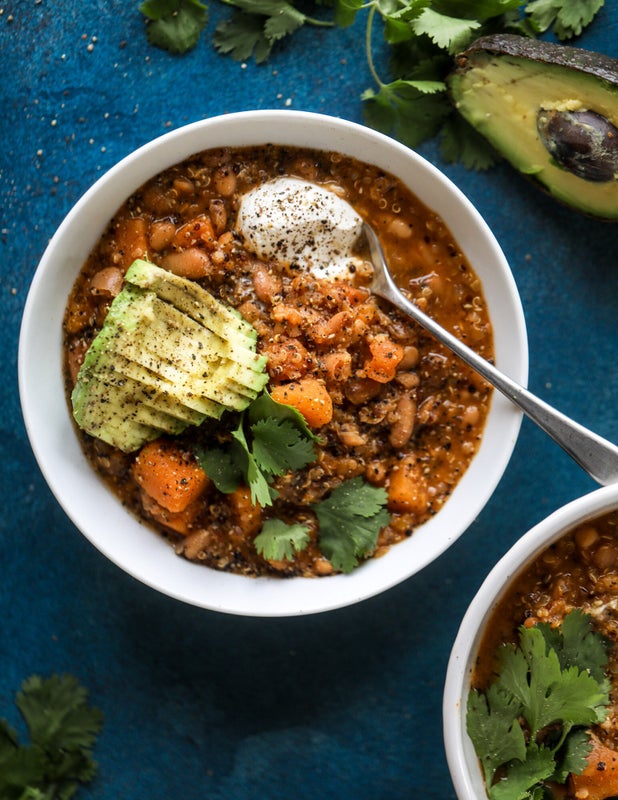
[(246, 514), (196, 231), (309, 396), (407, 487), (384, 360), (131, 241), (170, 476), (600, 778), (180, 521)]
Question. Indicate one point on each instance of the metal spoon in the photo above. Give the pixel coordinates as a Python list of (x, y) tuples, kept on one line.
[(596, 455)]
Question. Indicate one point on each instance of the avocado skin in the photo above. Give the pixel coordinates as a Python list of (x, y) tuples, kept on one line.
[(500, 85), (598, 65)]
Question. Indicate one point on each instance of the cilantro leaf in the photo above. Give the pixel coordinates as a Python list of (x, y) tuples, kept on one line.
[(257, 26), (567, 18), (346, 11), (278, 541), (242, 37), (57, 713), (577, 644), (279, 446), (573, 755), (224, 467), (493, 727), (350, 520), (260, 490), (449, 33), (522, 776), (411, 110), (63, 728), (264, 407), (547, 692), (479, 9), (174, 25), (460, 142)]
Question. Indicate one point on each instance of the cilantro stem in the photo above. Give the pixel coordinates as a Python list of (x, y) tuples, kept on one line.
[(368, 49), (320, 23)]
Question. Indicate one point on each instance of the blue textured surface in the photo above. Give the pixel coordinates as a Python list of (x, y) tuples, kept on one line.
[(345, 704)]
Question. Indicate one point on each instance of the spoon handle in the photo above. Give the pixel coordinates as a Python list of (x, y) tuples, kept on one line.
[(596, 455)]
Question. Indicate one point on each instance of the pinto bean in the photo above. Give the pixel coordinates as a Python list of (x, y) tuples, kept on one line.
[(403, 424), (190, 263), (359, 390), (471, 415), (218, 215), (410, 358), (158, 199), (586, 537), (606, 556), (267, 284), (161, 234), (409, 380), (184, 186), (194, 544), (106, 282), (224, 182), (75, 358), (428, 410), (350, 436), (397, 227)]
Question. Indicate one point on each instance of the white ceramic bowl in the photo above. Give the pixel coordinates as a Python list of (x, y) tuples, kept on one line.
[(463, 764), (101, 517)]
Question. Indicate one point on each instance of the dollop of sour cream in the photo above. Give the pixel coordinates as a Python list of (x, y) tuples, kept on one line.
[(300, 224)]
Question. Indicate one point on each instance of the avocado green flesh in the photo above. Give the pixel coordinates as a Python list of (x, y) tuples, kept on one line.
[(153, 369), (501, 96)]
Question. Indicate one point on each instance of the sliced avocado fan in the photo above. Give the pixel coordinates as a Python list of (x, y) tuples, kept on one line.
[(549, 109), (168, 356)]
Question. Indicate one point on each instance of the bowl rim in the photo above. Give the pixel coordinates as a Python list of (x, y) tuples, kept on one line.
[(252, 598), (461, 759)]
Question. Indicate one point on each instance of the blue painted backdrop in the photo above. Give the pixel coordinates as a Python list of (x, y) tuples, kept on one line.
[(197, 705)]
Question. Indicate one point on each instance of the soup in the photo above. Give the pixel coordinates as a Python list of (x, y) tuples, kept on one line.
[(395, 418)]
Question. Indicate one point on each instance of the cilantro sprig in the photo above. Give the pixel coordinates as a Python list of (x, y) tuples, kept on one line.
[(422, 37), (269, 439), (530, 725), (63, 728)]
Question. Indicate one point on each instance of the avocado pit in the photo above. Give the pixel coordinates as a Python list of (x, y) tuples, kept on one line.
[(582, 142), (550, 110)]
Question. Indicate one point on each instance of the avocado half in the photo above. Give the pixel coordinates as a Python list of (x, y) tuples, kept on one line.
[(549, 109)]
